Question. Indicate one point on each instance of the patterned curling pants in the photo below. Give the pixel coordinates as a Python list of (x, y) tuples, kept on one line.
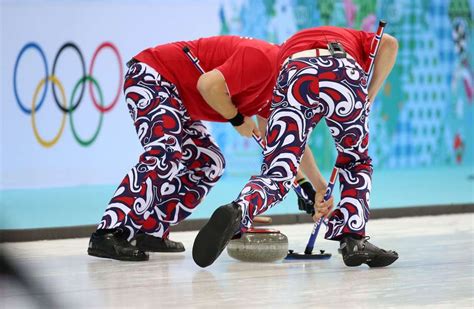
[(307, 90), (178, 167)]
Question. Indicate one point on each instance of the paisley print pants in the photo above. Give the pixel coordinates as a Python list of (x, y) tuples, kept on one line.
[(179, 165), (307, 90)]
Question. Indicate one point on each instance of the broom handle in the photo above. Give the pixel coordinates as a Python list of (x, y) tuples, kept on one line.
[(317, 225)]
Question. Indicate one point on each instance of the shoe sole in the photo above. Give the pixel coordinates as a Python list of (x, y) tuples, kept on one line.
[(354, 260), (382, 260), (148, 249), (215, 235), (101, 254)]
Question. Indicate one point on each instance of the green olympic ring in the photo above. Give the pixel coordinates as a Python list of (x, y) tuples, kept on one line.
[(85, 142)]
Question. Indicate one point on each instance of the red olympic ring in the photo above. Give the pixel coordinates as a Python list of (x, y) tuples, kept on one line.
[(106, 108)]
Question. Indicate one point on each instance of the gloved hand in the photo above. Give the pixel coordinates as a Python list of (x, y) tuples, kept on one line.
[(306, 205), (248, 128)]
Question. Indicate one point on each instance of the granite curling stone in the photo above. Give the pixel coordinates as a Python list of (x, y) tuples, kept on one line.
[(259, 245)]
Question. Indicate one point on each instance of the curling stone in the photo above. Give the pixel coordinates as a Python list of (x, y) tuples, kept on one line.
[(259, 245)]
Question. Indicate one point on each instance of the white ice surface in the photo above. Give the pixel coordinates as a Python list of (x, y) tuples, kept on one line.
[(435, 269)]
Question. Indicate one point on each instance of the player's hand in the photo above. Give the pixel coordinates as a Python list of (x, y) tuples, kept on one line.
[(322, 208), (248, 127), (307, 205)]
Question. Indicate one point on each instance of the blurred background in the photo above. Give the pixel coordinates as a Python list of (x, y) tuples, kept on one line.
[(60, 169)]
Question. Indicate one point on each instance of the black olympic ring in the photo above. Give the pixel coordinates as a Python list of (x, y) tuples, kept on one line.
[(83, 64)]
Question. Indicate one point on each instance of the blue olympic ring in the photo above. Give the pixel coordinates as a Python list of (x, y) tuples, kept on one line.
[(15, 90)]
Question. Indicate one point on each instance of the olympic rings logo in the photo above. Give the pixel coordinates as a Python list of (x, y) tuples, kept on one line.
[(62, 102)]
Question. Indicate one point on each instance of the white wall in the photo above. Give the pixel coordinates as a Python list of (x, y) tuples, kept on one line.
[(131, 26)]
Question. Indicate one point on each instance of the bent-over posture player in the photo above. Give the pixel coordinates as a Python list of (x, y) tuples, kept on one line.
[(167, 98), (322, 76)]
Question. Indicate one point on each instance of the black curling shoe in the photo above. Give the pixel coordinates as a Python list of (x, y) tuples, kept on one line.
[(113, 244), (216, 234), (150, 243), (358, 251)]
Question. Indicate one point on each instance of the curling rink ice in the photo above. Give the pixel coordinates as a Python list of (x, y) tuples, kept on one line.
[(435, 269)]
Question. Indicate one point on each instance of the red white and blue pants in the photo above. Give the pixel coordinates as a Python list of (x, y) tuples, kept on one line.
[(307, 90), (179, 165)]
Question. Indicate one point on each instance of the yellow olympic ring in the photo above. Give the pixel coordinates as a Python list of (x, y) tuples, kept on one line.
[(40, 140)]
